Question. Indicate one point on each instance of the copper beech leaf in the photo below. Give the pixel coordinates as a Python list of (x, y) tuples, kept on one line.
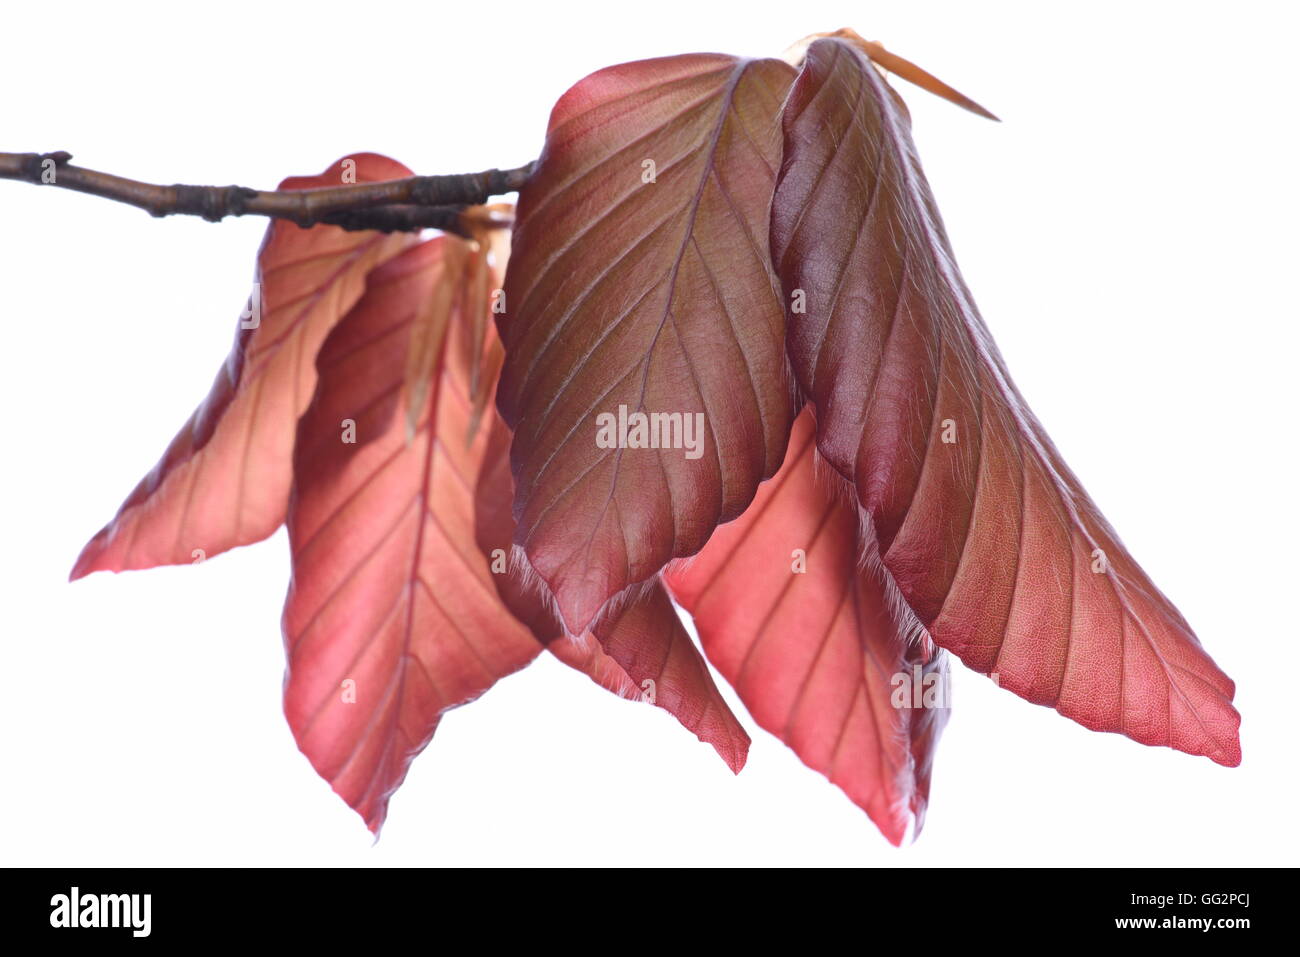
[(793, 608), (224, 480), (641, 280), (990, 537), (636, 649), (643, 633), (395, 614), (392, 616)]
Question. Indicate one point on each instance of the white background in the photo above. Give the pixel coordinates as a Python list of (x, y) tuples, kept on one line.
[(1129, 232)]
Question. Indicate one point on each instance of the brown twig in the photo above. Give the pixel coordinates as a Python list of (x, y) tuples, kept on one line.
[(402, 219), (400, 204)]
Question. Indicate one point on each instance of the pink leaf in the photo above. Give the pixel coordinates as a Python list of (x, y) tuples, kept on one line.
[(794, 609), (224, 480), (391, 599)]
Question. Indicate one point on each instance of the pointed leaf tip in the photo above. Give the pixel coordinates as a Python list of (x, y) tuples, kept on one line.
[(643, 633), (899, 66)]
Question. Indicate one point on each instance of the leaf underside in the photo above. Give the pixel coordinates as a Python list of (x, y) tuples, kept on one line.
[(390, 591), (990, 537), (793, 609), (654, 296), (637, 649), (224, 480), (643, 633)]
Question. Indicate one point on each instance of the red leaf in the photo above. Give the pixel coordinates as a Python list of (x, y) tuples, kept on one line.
[(816, 654), (658, 297), (642, 652), (224, 480), (989, 535), (527, 601), (390, 589), (642, 632)]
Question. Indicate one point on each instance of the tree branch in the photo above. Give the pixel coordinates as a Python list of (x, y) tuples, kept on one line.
[(401, 204), (401, 219)]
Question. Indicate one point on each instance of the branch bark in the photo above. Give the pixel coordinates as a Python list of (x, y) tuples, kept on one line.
[(416, 202)]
